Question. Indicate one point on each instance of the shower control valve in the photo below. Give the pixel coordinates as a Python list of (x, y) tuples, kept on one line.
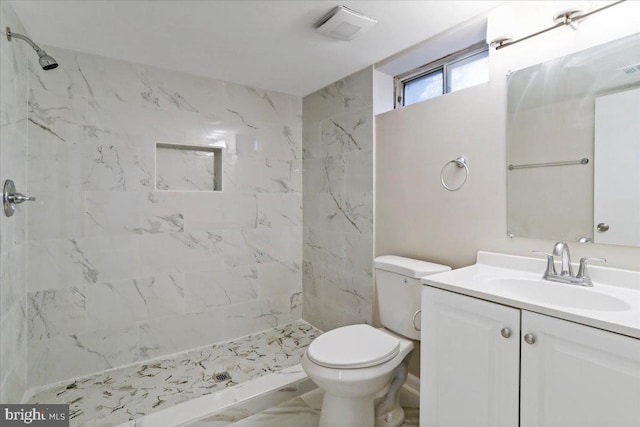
[(10, 198)]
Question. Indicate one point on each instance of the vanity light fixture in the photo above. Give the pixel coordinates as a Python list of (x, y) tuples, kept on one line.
[(569, 17), (500, 31)]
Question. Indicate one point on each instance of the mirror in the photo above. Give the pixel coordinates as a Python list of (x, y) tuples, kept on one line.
[(573, 146)]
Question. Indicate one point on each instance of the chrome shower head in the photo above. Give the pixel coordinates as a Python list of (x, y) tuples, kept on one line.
[(46, 62)]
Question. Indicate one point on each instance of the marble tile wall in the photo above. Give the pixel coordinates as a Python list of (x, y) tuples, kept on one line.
[(119, 269), (13, 246), (338, 202), (185, 169)]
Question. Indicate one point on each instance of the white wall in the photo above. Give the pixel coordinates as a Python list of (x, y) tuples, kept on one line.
[(382, 92), (415, 216)]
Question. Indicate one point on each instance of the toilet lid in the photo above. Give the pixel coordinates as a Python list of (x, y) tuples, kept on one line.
[(355, 346)]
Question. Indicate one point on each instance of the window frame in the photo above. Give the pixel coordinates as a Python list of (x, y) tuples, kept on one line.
[(439, 65)]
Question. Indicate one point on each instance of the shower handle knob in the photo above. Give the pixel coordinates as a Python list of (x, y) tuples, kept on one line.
[(18, 198), (11, 198)]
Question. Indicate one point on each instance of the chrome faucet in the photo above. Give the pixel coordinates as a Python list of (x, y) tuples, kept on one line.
[(561, 249)]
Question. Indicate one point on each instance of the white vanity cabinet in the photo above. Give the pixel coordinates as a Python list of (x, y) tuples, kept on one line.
[(469, 371), (576, 375), (487, 364)]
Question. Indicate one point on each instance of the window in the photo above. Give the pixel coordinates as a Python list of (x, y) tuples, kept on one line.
[(457, 71)]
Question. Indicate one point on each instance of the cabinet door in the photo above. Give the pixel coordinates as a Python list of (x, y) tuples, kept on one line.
[(469, 370), (577, 376)]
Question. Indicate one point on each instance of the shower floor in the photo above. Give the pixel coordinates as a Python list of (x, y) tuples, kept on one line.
[(119, 395)]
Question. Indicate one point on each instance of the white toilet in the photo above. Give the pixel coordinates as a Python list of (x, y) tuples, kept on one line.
[(362, 369)]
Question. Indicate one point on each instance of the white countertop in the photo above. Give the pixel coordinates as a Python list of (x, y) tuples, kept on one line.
[(623, 285)]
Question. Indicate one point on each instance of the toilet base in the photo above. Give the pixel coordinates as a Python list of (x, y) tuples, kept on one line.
[(347, 412), (389, 413), (393, 418)]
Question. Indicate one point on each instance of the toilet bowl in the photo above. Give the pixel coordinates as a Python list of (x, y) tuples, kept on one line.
[(360, 368), (354, 365)]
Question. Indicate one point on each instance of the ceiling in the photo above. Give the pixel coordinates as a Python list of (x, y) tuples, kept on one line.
[(265, 44)]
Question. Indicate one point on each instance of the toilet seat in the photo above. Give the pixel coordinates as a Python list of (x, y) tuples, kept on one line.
[(355, 346)]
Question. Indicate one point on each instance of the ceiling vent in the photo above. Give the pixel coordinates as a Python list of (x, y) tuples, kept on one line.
[(343, 23), (630, 69)]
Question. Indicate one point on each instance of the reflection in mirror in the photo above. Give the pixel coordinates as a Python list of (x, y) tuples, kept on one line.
[(581, 106)]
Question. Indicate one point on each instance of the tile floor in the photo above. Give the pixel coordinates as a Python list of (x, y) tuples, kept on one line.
[(301, 411), (116, 396)]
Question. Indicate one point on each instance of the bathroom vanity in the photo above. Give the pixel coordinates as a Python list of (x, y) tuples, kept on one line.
[(503, 347)]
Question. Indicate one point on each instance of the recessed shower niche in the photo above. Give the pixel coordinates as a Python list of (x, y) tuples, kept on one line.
[(188, 167)]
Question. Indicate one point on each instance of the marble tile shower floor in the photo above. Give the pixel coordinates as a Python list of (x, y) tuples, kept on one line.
[(119, 395)]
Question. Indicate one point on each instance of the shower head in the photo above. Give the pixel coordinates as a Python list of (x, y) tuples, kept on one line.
[(46, 62)]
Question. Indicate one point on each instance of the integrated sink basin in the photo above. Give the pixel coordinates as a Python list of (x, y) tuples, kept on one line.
[(612, 304), (553, 293)]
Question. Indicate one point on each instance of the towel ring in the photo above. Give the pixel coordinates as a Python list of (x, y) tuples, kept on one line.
[(461, 162)]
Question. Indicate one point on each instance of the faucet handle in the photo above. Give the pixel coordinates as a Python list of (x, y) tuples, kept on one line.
[(582, 270), (551, 268)]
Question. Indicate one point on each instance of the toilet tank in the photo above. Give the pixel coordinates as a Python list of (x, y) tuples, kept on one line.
[(400, 291)]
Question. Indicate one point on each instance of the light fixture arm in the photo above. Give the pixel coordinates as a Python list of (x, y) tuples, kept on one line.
[(566, 18)]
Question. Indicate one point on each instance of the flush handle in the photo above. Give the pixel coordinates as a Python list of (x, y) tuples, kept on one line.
[(505, 332), (413, 320)]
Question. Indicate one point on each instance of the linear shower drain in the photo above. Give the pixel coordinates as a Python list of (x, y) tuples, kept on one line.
[(221, 376)]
